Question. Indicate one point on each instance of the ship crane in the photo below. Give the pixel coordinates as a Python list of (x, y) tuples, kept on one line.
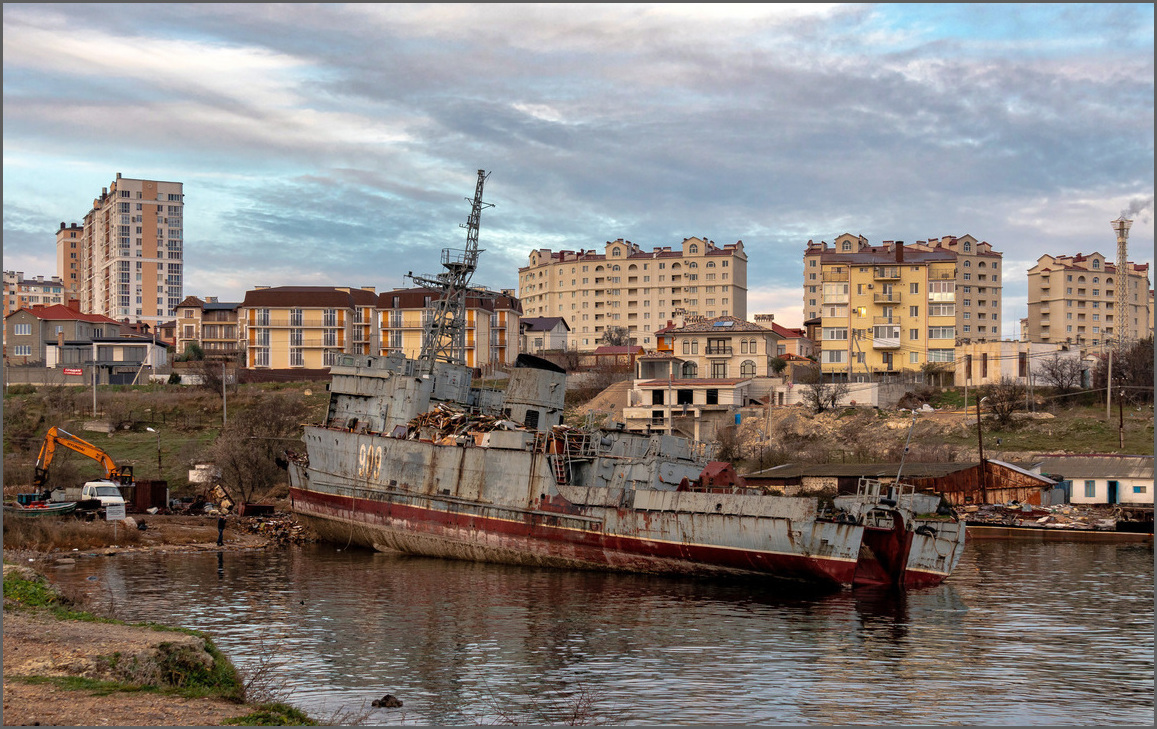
[(444, 334)]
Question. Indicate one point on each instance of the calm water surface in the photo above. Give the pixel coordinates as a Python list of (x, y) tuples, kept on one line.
[(1027, 634)]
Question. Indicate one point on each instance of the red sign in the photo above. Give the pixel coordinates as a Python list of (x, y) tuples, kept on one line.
[(73, 371)]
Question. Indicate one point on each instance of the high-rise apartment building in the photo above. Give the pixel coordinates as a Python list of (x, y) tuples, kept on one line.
[(131, 251), (1074, 299), (633, 291), (20, 292), (978, 276), (69, 240)]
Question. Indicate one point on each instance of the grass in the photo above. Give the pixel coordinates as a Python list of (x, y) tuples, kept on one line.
[(65, 533), (275, 714)]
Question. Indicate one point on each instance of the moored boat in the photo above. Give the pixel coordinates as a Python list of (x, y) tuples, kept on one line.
[(39, 508)]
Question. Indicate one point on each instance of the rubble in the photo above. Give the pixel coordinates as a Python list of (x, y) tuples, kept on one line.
[(1061, 516), (281, 529)]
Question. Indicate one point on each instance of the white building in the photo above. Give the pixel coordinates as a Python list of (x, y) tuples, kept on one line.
[(1102, 479)]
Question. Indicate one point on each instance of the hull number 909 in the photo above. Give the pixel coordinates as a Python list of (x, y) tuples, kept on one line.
[(369, 461)]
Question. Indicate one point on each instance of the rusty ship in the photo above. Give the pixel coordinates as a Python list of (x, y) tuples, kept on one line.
[(413, 457)]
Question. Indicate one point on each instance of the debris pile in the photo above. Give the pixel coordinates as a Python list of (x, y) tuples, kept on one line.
[(443, 422), (281, 529), (1062, 516)]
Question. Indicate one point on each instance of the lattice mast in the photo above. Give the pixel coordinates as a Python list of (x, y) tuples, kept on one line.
[(444, 332), (1121, 227)]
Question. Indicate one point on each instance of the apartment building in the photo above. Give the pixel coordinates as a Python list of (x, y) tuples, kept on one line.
[(306, 326), (69, 244), (131, 251), (885, 308), (492, 325), (214, 326), (1074, 299), (23, 293), (626, 288), (978, 276)]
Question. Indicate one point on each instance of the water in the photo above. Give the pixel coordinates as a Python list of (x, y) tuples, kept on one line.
[(1022, 634)]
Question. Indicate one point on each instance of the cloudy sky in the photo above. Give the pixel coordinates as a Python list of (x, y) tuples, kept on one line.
[(329, 144)]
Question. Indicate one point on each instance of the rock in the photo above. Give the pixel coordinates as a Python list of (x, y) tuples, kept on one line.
[(389, 701)]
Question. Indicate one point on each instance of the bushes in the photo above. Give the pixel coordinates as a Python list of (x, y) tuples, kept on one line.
[(64, 533)]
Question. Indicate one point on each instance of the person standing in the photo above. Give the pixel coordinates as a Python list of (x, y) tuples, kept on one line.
[(221, 530)]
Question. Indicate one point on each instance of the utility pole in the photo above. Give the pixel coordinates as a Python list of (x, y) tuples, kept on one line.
[(1121, 416), (224, 404), (980, 443), (1109, 390)]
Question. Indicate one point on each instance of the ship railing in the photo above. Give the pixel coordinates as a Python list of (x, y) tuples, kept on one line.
[(875, 491)]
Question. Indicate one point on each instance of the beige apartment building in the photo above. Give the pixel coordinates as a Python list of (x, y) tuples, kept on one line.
[(214, 326), (1074, 299), (977, 273), (626, 288), (129, 264), (24, 293), (492, 325)]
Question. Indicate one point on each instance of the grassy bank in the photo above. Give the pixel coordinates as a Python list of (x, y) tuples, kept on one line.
[(178, 663)]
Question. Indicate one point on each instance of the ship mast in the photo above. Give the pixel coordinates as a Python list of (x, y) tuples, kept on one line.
[(444, 331)]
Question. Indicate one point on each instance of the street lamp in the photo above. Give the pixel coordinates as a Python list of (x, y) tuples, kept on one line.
[(158, 450)]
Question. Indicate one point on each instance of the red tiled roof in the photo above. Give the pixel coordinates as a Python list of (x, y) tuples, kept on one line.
[(62, 312), (309, 296), (624, 349)]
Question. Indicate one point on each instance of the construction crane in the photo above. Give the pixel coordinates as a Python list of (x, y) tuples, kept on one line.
[(57, 437), (444, 338)]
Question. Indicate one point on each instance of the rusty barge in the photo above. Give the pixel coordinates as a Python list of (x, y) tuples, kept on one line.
[(413, 457)]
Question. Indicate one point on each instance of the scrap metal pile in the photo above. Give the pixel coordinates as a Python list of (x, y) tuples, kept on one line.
[(280, 529), (1062, 516), (444, 424)]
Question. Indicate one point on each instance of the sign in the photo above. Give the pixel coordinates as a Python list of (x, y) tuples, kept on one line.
[(114, 512), (73, 371)]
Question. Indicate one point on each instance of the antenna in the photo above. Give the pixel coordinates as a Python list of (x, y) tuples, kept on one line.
[(444, 333)]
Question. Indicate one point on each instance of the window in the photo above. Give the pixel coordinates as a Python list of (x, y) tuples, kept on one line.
[(941, 332), (1137, 489), (914, 311), (913, 357), (22, 350), (747, 369), (940, 355), (832, 333), (967, 247), (22, 330), (914, 334), (713, 397), (832, 356), (719, 369), (1090, 488)]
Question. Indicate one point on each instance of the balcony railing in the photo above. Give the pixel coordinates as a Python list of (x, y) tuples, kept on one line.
[(886, 273), (718, 350), (836, 277), (892, 298)]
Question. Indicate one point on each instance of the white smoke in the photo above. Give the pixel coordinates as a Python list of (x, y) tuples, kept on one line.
[(1139, 206)]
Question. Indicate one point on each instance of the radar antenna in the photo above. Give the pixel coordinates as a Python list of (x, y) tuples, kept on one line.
[(444, 331)]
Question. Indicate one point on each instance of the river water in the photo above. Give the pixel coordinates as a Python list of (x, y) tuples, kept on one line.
[(1022, 634)]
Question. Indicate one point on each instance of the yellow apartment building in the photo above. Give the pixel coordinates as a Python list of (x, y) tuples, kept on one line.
[(492, 325), (307, 326), (886, 309), (625, 287), (69, 242)]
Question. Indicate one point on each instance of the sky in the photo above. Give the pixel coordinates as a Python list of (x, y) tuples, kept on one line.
[(339, 144)]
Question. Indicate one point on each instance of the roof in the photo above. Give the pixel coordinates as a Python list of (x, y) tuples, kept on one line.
[(1094, 465), (623, 349), (788, 333), (220, 305), (692, 383), (722, 324), (415, 298), (543, 323), (61, 312), (190, 301), (309, 296), (855, 470), (881, 255)]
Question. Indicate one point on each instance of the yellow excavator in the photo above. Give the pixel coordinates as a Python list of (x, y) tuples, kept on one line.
[(55, 437)]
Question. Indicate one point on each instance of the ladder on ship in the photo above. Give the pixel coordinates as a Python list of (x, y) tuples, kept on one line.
[(559, 463)]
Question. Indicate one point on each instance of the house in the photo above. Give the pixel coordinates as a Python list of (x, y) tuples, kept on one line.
[(696, 408), (28, 331), (542, 333), (1101, 478), (214, 326), (120, 360)]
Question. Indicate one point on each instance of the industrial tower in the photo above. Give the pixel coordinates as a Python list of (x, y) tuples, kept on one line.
[(1121, 226)]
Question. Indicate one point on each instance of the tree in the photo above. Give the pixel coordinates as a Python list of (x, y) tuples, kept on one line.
[(1132, 370), (933, 369), (1063, 374), (249, 451), (616, 337), (778, 365), (193, 352), (1004, 398), (820, 394)]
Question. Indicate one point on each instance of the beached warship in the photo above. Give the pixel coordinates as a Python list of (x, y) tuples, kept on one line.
[(412, 457)]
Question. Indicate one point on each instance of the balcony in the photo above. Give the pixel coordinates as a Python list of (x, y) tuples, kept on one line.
[(835, 277), (892, 298), (719, 350), (886, 273), (886, 337)]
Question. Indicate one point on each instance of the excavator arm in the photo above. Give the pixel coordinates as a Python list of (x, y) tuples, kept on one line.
[(57, 437)]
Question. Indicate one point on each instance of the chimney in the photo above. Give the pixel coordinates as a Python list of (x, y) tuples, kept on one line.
[(62, 225), (899, 251), (74, 304), (118, 175)]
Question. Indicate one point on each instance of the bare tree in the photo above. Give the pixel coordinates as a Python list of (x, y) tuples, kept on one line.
[(1064, 374), (249, 451), (1004, 398), (820, 394), (1132, 370), (616, 337)]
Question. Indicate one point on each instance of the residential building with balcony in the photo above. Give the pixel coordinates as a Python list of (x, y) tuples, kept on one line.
[(291, 327), (977, 273), (625, 287), (69, 244), (24, 293), (1074, 299), (214, 326), (131, 252), (492, 325), (885, 309)]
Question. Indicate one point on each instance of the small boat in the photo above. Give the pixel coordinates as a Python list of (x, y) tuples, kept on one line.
[(39, 508)]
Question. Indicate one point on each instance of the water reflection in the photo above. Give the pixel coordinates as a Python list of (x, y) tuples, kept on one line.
[(462, 643)]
